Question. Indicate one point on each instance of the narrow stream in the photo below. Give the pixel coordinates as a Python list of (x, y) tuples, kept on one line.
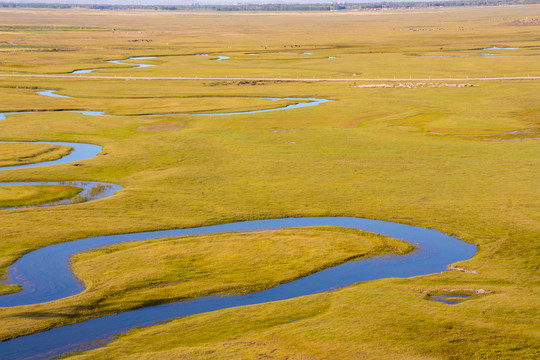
[(91, 190), (137, 65), (80, 152), (119, 62), (45, 274), (305, 102), (221, 58), (52, 93)]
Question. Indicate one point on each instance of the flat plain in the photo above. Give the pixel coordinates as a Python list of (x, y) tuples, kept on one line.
[(457, 156)]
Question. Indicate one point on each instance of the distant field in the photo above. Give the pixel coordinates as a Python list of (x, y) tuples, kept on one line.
[(462, 160), (416, 43)]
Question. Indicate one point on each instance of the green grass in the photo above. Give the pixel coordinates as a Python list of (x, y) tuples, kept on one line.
[(369, 153), (365, 43), (12, 154), (147, 273), (352, 323), (35, 195)]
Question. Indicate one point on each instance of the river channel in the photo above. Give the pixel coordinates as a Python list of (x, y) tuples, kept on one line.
[(45, 274)]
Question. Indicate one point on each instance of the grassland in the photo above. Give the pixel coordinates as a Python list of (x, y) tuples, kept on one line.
[(33, 195), (21, 153), (139, 274), (369, 153)]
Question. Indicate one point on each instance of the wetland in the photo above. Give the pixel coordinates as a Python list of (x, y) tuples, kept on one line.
[(339, 226)]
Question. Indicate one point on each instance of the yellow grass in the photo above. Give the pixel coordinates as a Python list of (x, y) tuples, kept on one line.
[(369, 153), (147, 273), (33, 195), (12, 154)]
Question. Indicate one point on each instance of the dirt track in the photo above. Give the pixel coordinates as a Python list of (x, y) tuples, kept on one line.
[(270, 79)]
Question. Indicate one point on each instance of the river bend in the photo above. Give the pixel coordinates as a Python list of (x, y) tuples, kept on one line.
[(45, 274), (90, 190)]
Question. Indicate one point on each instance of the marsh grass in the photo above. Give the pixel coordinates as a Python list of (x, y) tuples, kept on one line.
[(356, 156), (20, 153), (35, 195), (368, 44), (347, 324), (97, 190), (132, 275), (369, 153)]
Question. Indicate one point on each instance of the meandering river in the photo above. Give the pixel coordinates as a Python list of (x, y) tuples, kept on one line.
[(45, 274), (90, 190), (86, 151), (119, 62), (302, 102)]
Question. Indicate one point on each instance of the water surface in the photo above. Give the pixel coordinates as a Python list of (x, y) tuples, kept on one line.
[(449, 299), (306, 102), (52, 93), (501, 48), (45, 275), (84, 71), (221, 58), (3, 115), (80, 152), (119, 62), (91, 190)]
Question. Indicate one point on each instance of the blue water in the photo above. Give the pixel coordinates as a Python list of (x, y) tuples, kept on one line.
[(84, 71), (87, 151), (221, 58), (45, 276), (87, 193), (3, 115), (119, 62), (52, 93), (501, 48), (79, 152), (449, 299), (310, 102), (487, 136)]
